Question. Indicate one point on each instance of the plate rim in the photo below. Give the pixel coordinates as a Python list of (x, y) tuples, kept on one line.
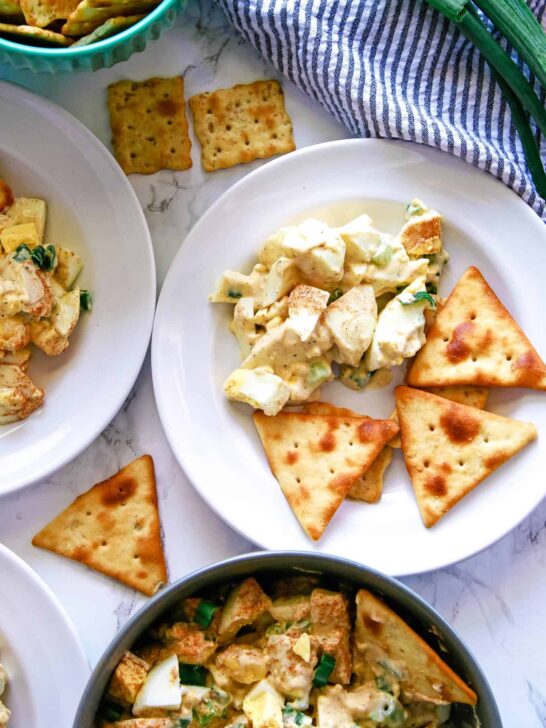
[(22, 96), (161, 395), (36, 583)]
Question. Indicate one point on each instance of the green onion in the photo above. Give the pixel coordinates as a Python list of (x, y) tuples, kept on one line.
[(336, 293), (234, 294), (325, 668), (205, 613), (113, 712), (420, 296), (22, 253), (86, 301), (526, 137), (515, 20), (44, 258), (192, 674), (183, 723), (432, 287)]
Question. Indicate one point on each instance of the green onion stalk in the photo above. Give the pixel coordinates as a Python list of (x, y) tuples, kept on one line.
[(518, 24)]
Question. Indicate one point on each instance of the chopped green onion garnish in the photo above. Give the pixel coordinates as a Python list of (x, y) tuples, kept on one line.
[(234, 294), (113, 712), (192, 674), (183, 723), (22, 253), (44, 258), (325, 668), (419, 296), (86, 301), (204, 613), (336, 293)]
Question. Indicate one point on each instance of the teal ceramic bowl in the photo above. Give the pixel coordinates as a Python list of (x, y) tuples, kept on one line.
[(102, 54)]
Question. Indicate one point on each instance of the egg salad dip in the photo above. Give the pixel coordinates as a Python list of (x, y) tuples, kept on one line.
[(4, 712), (40, 301), (327, 303), (290, 654)]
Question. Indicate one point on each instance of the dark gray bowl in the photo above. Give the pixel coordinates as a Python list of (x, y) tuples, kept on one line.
[(406, 603)]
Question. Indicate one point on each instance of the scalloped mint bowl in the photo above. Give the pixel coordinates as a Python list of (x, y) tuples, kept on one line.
[(102, 54)]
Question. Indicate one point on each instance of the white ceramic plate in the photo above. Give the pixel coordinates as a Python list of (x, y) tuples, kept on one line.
[(40, 649), (193, 351), (45, 152)]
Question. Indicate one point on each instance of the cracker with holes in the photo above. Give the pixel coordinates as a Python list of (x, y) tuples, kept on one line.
[(318, 458), (240, 124), (108, 28), (149, 125), (32, 33), (369, 486), (42, 13), (464, 394), (425, 677), (475, 340), (449, 448), (10, 9), (114, 528), (89, 14)]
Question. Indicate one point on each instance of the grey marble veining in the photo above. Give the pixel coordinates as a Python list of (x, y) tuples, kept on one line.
[(496, 600)]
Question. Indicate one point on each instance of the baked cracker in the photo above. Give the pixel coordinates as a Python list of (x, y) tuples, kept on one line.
[(369, 486), (149, 125), (318, 458), (41, 13), (10, 9), (38, 34), (240, 124), (89, 14), (472, 396), (108, 28), (449, 448), (114, 528), (426, 677), (475, 340)]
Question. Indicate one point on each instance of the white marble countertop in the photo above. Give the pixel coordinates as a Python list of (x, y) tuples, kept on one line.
[(496, 600)]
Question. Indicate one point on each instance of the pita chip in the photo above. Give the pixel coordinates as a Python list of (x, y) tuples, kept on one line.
[(114, 528), (369, 486), (472, 396), (449, 448), (380, 631), (475, 340), (318, 458)]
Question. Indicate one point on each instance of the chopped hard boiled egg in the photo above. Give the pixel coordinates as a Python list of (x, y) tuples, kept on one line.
[(259, 388), (351, 321), (400, 330), (263, 706), (325, 303), (305, 307), (161, 689)]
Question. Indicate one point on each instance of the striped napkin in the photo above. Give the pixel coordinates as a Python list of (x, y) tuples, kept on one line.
[(395, 69)]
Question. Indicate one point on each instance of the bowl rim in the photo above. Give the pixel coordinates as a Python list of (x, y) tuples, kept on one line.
[(267, 561), (104, 45)]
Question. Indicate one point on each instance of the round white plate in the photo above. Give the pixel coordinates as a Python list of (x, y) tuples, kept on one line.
[(47, 667), (45, 152), (193, 351)]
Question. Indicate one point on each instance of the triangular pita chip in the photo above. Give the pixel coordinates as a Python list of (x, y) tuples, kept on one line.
[(318, 458), (114, 528), (449, 448), (369, 486), (475, 340), (41, 14), (465, 394), (381, 633)]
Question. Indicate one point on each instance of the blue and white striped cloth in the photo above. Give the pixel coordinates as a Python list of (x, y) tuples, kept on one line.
[(395, 69)]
